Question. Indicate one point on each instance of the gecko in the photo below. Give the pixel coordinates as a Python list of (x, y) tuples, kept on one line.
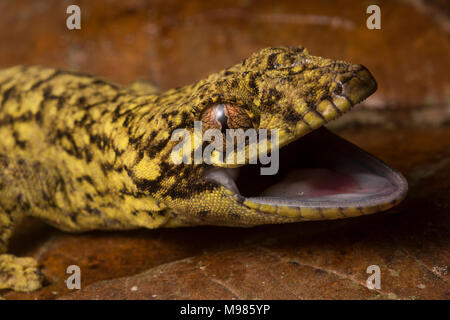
[(82, 153)]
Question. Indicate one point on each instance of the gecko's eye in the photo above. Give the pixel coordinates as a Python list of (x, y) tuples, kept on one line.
[(224, 116)]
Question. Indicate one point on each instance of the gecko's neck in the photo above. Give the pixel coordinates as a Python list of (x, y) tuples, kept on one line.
[(141, 124)]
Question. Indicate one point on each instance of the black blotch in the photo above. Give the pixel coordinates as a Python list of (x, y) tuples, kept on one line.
[(252, 82), (312, 106), (20, 143), (91, 210), (156, 148), (82, 100), (234, 216), (86, 178), (148, 212), (271, 97), (203, 213), (40, 82), (292, 116), (38, 117), (139, 157), (106, 167), (7, 95), (185, 117), (270, 61), (136, 141)]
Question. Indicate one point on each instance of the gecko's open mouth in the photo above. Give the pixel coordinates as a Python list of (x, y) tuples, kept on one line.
[(319, 170)]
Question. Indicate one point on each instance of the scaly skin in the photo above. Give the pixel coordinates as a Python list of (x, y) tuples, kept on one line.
[(81, 153)]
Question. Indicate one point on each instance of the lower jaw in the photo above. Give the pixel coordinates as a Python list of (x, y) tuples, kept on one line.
[(313, 213)]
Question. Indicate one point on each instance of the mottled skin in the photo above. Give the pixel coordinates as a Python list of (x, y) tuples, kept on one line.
[(81, 153)]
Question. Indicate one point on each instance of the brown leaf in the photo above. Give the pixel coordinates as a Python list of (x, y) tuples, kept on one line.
[(177, 42)]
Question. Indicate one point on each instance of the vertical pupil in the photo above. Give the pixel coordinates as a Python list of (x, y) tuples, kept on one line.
[(221, 117)]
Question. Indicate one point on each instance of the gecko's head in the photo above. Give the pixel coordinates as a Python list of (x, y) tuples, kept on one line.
[(289, 94)]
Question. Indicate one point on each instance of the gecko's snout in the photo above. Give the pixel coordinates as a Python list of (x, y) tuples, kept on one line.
[(351, 87), (357, 85)]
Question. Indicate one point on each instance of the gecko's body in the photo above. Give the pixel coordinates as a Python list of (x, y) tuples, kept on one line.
[(81, 153)]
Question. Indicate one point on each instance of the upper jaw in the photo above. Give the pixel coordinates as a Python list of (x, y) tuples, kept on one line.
[(351, 87)]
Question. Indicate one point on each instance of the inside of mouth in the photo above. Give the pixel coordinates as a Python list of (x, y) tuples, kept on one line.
[(319, 169)]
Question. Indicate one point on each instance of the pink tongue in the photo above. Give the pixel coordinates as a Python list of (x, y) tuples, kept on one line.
[(312, 183)]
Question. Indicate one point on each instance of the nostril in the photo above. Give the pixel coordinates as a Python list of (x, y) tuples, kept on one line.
[(339, 88)]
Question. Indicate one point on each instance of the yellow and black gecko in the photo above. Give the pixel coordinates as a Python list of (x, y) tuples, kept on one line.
[(84, 154)]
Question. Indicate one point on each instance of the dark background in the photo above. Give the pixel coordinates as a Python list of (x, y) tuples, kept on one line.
[(405, 123)]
